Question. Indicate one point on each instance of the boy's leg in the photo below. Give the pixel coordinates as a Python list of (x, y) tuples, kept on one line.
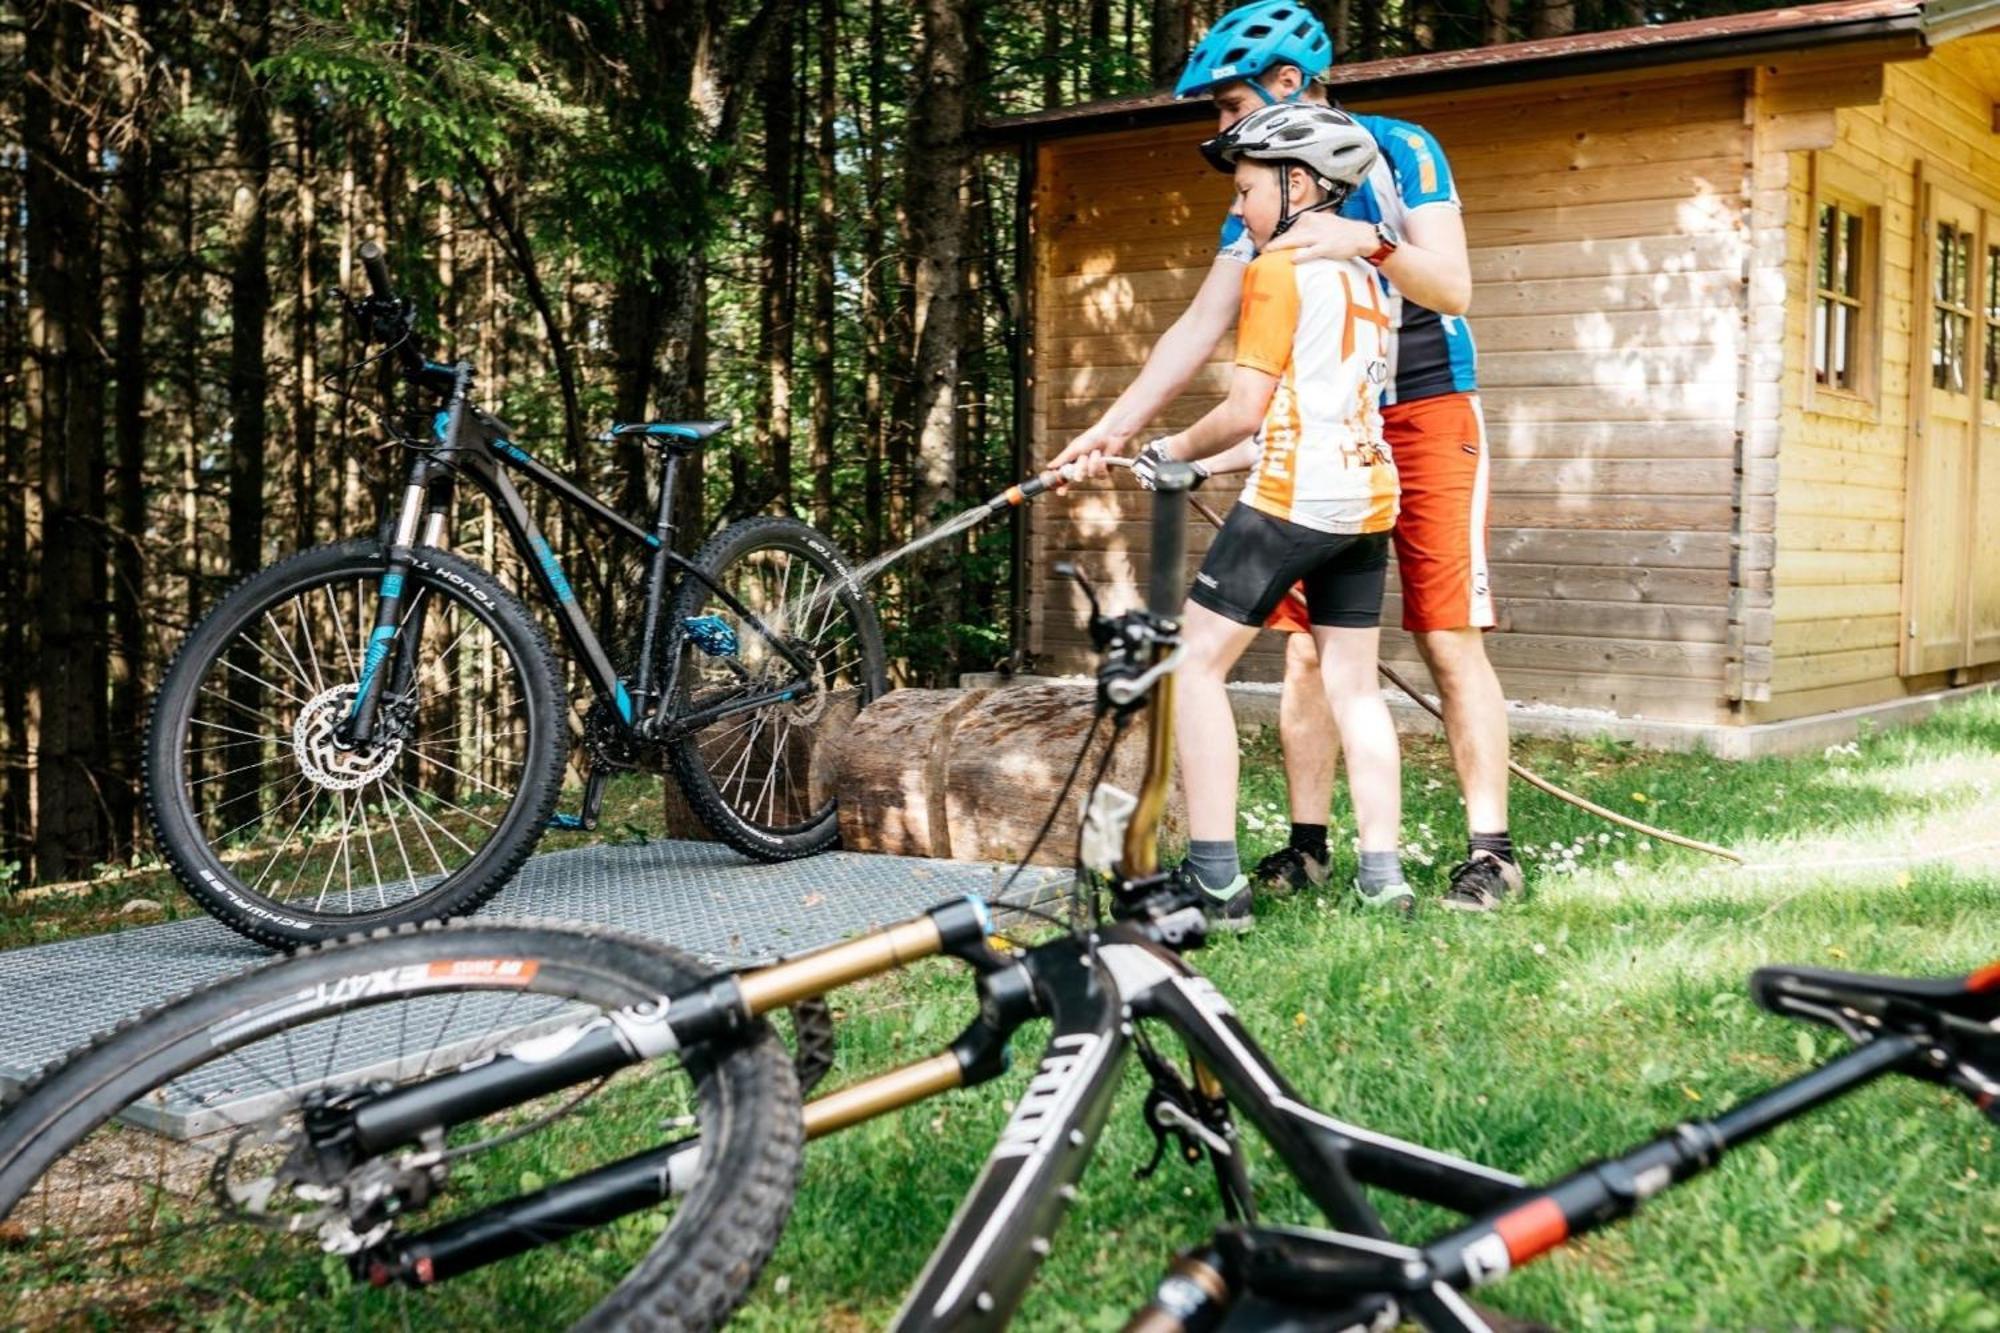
[(1346, 597), (1367, 734), (1205, 747), (1442, 460), (1248, 568)]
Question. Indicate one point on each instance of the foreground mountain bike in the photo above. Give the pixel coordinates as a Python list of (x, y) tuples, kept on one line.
[(484, 1157), (373, 733)]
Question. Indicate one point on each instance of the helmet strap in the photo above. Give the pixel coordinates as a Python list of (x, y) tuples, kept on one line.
[(1335, 197), (1265, 93)]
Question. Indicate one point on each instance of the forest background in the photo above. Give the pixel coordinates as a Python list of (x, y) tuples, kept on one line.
[(618, 210)]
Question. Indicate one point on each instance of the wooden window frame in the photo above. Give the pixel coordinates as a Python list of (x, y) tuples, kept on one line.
[(1836, 183)]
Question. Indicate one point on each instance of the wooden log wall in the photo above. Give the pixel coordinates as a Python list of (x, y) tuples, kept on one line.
[(1609, 242)]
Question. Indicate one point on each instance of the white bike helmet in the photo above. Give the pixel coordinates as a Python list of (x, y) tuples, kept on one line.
[(1326, 142)]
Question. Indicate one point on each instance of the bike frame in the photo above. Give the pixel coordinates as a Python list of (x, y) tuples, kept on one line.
[(1096, 988), (472, 445)]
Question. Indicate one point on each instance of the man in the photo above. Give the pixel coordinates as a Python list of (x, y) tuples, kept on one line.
[(1405, 221)]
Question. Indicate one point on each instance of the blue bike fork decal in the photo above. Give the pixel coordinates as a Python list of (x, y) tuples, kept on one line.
[(378, 649)]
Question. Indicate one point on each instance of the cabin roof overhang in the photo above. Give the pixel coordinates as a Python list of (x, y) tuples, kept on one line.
[(1894, 29)]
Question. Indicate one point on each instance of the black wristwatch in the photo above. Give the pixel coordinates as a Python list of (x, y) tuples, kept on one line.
[(1390, 240)]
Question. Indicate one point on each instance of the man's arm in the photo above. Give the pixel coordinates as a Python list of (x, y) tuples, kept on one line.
[(1430, 267), (1180, 352)]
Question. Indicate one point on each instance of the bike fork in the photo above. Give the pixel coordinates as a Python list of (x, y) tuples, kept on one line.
[(382, 638)]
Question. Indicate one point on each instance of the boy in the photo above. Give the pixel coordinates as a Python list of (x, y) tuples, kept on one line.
[(1312, 358)]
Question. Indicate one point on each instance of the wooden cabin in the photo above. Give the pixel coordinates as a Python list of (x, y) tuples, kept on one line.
[(1737, 303)]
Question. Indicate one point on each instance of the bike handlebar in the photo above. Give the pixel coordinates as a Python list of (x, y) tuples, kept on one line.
[(377, 269)]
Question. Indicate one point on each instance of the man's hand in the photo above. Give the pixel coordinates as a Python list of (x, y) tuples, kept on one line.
[(1329, 236), (1083, 458)]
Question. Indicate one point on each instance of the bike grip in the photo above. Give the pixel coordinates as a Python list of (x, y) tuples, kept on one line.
[(377, 270), (1165, 591)]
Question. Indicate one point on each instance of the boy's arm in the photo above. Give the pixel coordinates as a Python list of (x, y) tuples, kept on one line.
[(1229, 421), (1175, 358), (1239, 457)]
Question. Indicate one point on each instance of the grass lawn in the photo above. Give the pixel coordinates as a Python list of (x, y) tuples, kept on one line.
[(1607, 1006)]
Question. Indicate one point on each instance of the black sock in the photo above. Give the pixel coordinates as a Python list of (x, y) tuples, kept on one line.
[(1500, 844), (1310, 839)]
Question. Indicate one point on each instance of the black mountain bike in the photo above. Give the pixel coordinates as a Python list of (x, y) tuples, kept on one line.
[(481, 1163), (374, 732)]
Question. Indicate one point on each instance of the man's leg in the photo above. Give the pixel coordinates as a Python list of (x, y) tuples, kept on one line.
[(1475, 721), (1442, 458), (1205, 745), (1475, 726), (1310, 742)]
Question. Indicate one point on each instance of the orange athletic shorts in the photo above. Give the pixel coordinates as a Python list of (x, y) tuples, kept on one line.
[(1441, 456)]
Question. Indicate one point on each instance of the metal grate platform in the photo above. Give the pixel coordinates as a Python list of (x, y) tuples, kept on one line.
[(701, 897)]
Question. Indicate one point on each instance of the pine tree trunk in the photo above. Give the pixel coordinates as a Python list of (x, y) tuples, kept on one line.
[(305, 341), (1553, 18), (939, 156), (1167, 47), (1494, 16), (249, 305), (1052, 25), (1100, 48), (128, 663), (779, 97), (826, 236), (16, 805), (65, 418), (874, 323)]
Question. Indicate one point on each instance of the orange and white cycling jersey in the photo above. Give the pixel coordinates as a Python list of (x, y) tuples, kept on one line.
[(1323, 329)]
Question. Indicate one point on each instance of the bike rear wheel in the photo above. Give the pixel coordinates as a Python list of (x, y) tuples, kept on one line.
[(750, 774), (289, 836), (164, 1176)]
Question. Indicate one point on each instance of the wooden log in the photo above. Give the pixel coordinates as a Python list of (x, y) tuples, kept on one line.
[(888, 772), (1008, 761)]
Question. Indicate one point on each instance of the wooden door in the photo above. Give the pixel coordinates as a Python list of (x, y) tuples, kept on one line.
[(1984, 559), (1938, 538)]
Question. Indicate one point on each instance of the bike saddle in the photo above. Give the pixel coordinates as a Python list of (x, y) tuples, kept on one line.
[(673, 432), (1807, 992)]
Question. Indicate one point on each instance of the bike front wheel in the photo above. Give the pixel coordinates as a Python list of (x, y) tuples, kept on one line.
[(292, 836), (202, 1166), (766, 691)]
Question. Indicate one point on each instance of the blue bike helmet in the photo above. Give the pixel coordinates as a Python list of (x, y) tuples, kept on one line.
[(1250, 39)]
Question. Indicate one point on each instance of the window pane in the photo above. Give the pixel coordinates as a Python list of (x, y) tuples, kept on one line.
[(1826, 237), (1993, 363), (1850, 256), (1961, 271), (1821, 314), (1948, 353), (1993, 282), (1843, 347), (1941, 282)]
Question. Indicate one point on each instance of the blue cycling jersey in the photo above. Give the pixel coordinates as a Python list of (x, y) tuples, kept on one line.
[(1433, 354)]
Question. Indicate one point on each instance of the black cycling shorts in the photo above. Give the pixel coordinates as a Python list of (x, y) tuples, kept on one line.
[(1257, 558)]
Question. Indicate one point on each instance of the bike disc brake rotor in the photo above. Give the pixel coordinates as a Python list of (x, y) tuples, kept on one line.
[(320, 754)]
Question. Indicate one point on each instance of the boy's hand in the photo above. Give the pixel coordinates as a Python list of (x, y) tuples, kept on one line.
[(1146, 466), (1328, 236)]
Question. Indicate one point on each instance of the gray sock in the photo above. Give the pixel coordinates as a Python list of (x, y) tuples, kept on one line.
[(1381, 869), (1215, 864)]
